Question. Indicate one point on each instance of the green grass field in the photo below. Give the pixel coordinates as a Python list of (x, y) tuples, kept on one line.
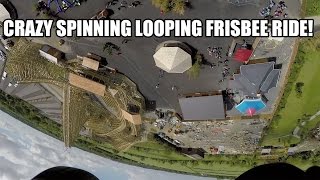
[(312, 7), (156, 154), (299, 107)]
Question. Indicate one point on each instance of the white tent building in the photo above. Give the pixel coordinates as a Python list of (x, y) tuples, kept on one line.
[(172, 59), (4, 14)]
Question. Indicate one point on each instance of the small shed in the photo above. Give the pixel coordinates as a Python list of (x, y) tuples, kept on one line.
[(194, 153), (265, 151), (87, 84), (90, 63), (243, 55), (292, 151), (51, 54)]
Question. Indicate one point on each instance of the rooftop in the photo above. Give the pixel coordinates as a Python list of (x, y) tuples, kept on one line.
[(52, 51), (4, 14), (90, 63), (256, 78), (202, 108), (133, 118), (87, 84)]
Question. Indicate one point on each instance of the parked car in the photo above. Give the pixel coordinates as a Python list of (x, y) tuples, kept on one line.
[(10, 84), (4, 75)]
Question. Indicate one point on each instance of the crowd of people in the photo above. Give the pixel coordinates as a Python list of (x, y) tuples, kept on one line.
[(278, 12), (216, 52)]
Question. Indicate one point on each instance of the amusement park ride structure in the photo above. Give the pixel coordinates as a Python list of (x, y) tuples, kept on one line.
[(63, 5)]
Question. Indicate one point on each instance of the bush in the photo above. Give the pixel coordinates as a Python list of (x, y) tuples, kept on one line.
[(177, 6), (163, 5), (298, 89), (194, 71), (110, 47)]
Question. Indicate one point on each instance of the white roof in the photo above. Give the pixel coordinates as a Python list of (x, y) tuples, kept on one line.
[(292, 149), (90, 63), (172, 59), (276, 38), (4, 14), (266, 151)]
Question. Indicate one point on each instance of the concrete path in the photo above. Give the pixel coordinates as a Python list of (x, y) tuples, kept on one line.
[(314, 116), (297, 129)]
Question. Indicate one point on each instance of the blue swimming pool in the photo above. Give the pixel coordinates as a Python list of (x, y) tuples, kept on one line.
[(255, 104)]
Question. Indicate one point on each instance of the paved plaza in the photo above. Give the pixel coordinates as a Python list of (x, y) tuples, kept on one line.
[(136, 60)]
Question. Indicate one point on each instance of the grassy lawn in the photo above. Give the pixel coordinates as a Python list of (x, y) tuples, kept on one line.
[(312, 7), (159, 155), (155, 150), (298, 109)]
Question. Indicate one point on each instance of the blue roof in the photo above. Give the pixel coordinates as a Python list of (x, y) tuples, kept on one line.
[(246, 104)]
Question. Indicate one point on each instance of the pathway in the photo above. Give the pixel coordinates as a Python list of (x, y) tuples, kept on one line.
[(297, 129)]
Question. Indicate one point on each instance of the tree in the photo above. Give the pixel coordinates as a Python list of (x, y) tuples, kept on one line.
[(194, 71), (298, 89), (163, 5), (198, 57), (179, 6), (36, 8), (110, 47)]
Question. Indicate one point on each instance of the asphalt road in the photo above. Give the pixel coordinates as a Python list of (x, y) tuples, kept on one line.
[(136, 59)]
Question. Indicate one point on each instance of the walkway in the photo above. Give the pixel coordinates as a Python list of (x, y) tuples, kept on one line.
[(297, 129)]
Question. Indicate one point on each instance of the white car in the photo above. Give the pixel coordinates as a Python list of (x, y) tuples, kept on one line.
[(10, 84), (4, 75), (16, 85)]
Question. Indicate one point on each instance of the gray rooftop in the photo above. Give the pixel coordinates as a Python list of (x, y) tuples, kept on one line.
[(45, 48), (256, 78), (202, 108)]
